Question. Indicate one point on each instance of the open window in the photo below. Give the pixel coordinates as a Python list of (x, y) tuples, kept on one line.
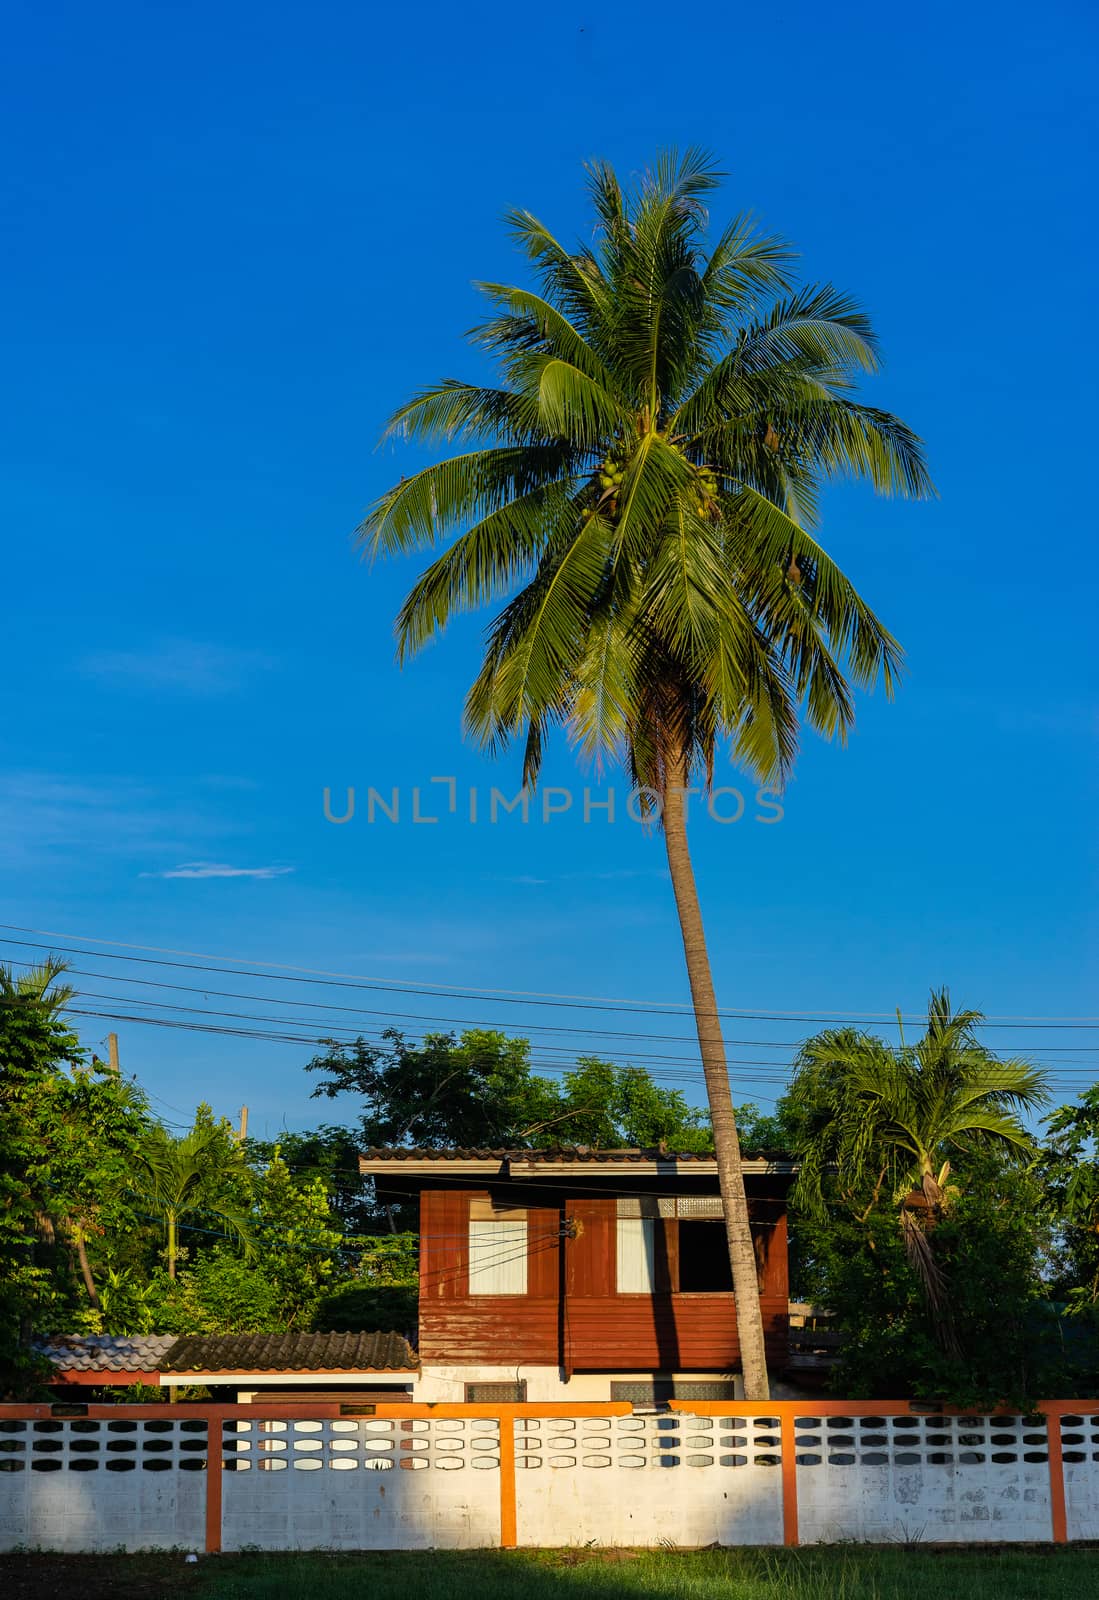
[(677, 1243), (703, 1257), (497, 1248)]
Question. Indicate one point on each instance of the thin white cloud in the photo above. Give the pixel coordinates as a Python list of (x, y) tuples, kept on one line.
[(46, 816), (217, 869), (182, 666)]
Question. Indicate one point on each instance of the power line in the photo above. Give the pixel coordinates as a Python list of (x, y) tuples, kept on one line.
[(276, 972), (1067, 1072), (420, 1017)]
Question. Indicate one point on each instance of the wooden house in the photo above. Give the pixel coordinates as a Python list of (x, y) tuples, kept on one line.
[(583, 1274)]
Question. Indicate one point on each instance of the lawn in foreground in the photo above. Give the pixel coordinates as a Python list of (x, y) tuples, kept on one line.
[(849, 1572)]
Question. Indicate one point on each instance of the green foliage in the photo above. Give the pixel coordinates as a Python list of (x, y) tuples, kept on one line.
[(67, 1132), (201, 1174), (869, 1119), (987, 1247), (474, 1090), (391, 1258), (291, 1257), (332, 1154), (1069, 1169), (917, 1222), (478, 1090), (604, 1106), (295, 1237), (218, 1293)]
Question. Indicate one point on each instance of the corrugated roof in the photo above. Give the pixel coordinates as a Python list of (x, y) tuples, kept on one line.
[(577, 1153), (292, 1352), (104, 1352)]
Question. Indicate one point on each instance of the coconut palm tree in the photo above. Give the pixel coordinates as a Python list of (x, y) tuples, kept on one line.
[(200, 1172), (873, 1117), (640, 492)]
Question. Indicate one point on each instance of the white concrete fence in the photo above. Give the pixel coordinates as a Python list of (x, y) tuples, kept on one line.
[(414, 1477)]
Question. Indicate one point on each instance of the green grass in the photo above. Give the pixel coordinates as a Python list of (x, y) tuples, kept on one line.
[(848, 1572), (845, 1573)]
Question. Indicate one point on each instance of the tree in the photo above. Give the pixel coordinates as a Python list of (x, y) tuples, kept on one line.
[(330, 1153), (474, 1090), (872, 1120), (66, 1134), (202, 1172), (641, 492), (1069, 1169), (1007, 1346), (604, 1105), (294, 1248), (478, 1089), (293, 1233)]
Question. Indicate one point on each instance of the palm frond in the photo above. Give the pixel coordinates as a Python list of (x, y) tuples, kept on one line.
[(417, 512)]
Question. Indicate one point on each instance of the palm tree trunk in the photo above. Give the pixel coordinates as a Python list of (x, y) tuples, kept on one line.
[(172, 1244), (730, 1174)]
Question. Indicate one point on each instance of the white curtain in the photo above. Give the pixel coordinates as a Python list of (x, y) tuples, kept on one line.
[(498, 1255), (636, 1255)]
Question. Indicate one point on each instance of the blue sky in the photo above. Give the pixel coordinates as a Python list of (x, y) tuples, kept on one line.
[(237, 236)]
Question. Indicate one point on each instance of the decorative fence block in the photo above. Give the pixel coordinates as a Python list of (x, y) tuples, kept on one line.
[(102, 1483), (1080, 1458), (934, 1478), (362, 1484), (684, 1479), (450, 1476)]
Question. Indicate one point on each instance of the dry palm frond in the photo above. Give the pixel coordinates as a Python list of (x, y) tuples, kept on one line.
[(936, 1290)]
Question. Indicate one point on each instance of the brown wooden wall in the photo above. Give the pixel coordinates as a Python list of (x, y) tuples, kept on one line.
[(458, 1328), (591, 1327)]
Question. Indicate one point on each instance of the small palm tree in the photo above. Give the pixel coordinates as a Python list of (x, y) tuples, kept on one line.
[(869, 1116), (641, 493), (37, 986), (196, 1173)]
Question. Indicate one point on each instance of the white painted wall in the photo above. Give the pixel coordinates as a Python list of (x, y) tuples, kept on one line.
[(436, 1383), (80, 1486), (680, 1480), (434, 1482), (931, 1479), (362, 1484), (1080, 1450)]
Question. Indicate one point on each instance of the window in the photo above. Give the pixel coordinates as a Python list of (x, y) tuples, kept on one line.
[(661, 1389), (493, 1394), (636, 1255), (703, 1259), (497, 1248), (669, 1242)]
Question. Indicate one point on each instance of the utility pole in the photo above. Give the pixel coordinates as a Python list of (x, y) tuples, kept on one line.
[(112, 1051), (243, 1124)]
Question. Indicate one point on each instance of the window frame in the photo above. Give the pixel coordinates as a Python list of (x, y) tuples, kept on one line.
[(485, 1213), (669, 1211)]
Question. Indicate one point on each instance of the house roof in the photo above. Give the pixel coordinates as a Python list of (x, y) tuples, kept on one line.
[(290, 1352), (105, 1352), (562, 1161)]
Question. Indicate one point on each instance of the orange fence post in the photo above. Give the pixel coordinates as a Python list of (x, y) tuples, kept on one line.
[(213, 1485), (789, 1478), (508, 1524), (1057, 1513)]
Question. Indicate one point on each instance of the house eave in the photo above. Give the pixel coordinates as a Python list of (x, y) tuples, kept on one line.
[(404, 1375), (612, 1172), (586, 1171)]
